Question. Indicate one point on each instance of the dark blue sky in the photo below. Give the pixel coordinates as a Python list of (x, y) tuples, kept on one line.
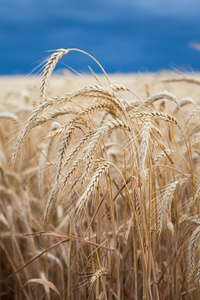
[(123, 35)]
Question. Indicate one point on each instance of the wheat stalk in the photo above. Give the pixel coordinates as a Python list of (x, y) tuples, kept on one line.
[(193, 248), (186, 101), (8, 115), (164, 204), (56, 113), (160, 96), (192, 115), (44, 156), (90, 187), (49, 67), (144, 144), (99, 273), (182, 79), (154, 114)]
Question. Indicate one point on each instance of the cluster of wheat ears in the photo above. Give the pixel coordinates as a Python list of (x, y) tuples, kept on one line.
[(101, 197)]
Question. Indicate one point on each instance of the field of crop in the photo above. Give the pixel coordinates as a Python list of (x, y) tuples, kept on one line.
[(99, 186)]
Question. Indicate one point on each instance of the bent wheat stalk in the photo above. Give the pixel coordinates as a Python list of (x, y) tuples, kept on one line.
[(51, 63)]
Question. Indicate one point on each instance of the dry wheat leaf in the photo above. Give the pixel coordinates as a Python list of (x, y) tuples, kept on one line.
[(44, 282)]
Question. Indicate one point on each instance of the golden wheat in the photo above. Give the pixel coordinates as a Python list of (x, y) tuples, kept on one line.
[(120, 180)]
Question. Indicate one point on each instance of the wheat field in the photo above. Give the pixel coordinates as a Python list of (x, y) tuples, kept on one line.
[(99, 185)]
